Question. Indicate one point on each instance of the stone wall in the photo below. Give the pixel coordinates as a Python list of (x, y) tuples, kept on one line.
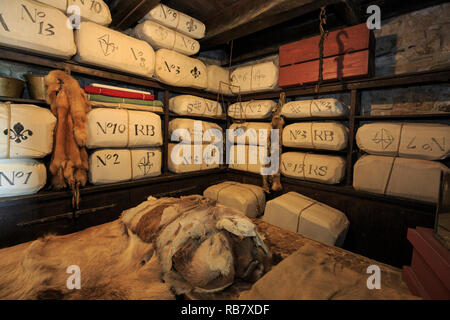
[(418, 41)]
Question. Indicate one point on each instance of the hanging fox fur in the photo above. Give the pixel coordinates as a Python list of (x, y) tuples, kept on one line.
[(68, 102), (277, 123)]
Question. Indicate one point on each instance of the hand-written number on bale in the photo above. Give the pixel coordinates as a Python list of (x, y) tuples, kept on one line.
[(121, 128), (428, 146), (34, 16), (300, 169), (107, 159), (11, 179)]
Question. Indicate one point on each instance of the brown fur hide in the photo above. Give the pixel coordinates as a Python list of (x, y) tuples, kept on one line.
[(69, 104), (114, 264), (189, 243)]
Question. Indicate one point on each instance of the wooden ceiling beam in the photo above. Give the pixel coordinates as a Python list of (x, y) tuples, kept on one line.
[(348, 12), (125, 13), (249, 16)]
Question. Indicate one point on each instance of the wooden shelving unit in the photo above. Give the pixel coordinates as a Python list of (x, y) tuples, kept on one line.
[(27, 217)]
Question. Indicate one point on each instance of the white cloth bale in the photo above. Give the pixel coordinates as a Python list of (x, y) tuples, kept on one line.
[(246, 198), (218, 78), (249, 132), (160, 37), (313, 167), (21, 177), (310, 218), (316, 135), (31, 131), (179, 70), (104, 47), (93, 10), (254, 109), (35, 27), (314, 108), (122, 128), (189, 157), (258, 77), (426, 141), (195, 130), (177, 20), (187, 105), (58, 4), (115, 165), (247, 158), (400, 177)]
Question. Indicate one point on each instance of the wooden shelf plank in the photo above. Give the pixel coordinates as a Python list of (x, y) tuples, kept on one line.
[(203, 118), (404, 80), (436, 116), (45, 195), (23, 101)]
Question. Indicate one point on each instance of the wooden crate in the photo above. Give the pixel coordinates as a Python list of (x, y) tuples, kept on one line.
[(348, 53)]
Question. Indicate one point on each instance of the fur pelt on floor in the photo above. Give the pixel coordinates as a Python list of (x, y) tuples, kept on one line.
[(68, 102), (158, 249)]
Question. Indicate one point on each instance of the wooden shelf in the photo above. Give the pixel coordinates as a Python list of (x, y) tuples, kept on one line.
[(44, 195), (94, 71), (23, 101), (198, 117), (316, 119), (375, 83), (438, 116)]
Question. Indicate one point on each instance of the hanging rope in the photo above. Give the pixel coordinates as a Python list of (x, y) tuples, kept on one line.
[(323, 34)]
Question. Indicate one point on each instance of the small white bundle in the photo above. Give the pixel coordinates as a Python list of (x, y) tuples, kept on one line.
[(115, 165), (193, 157), (197, 130), (314, 108), (104, 47), (122, 128), (35, 27), (249, 133), (179, 70), (21, 177), (246, 198), (401, 177), (313, 167), (30, 131), (316, 135), (254, 109), (258, 77), (428, 141), (177, 20), (297, 213), (160, 37), (187, 105)]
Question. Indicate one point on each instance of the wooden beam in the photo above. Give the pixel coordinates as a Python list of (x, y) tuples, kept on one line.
[(249, 16), (125, 13)]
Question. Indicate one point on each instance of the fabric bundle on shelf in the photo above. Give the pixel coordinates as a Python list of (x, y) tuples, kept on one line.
[(115, 97)]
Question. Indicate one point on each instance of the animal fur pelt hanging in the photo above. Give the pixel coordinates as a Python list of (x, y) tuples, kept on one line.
[(277, 124), (68, 102)]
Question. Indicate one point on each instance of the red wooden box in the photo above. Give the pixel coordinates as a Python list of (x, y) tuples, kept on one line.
[(429, 273), (348, 53)]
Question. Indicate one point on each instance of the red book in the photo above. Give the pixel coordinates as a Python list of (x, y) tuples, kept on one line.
[(118, 93)]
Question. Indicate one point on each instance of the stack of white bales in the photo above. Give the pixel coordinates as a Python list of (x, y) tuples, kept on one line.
[(128, 145), (250, 140), (329, 135), (173, 33), (26, 133), (399, 157)]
